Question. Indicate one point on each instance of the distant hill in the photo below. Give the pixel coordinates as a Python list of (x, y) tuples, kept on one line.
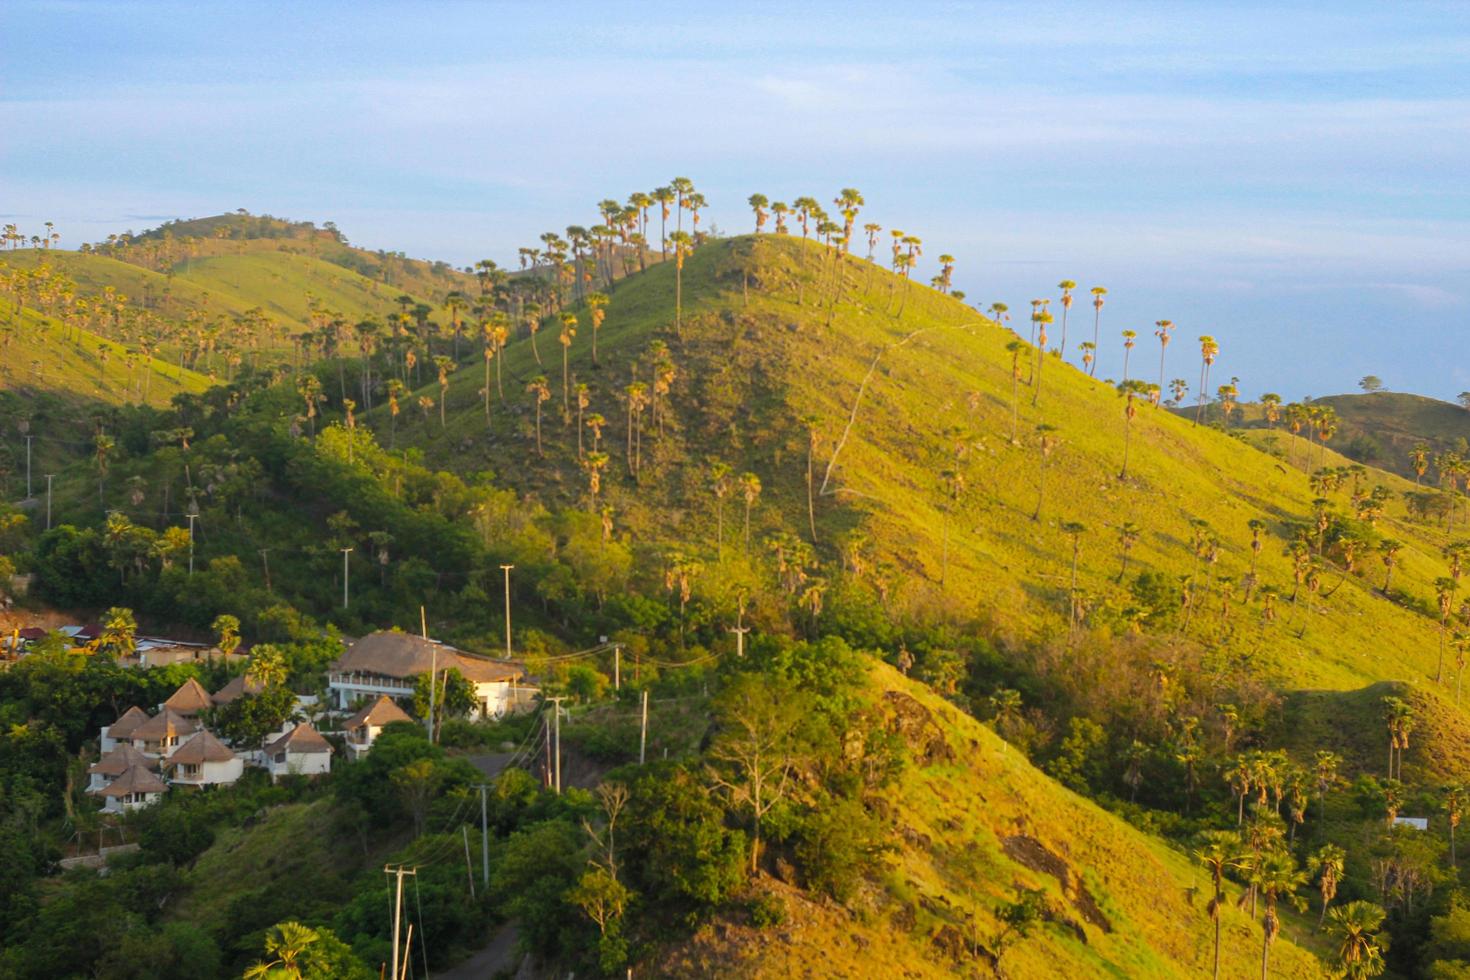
[(1380, 428)]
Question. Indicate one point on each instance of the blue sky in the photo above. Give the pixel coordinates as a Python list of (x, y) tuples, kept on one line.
[(1290, 178)]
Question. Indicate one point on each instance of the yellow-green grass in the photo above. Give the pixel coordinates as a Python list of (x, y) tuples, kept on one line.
[(749, 371), (951, 871), (41, 357)]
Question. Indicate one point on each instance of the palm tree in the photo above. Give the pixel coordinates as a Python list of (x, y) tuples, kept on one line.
[(1005, 707), (568, 331), (1098, 292), (750, 490), (779, 211), (1066, 286), (1046, 442), (1208, 350), (1130, 390), (1221, 850), (683, 245), (1419, 459), (1128, 340), (1127, 537), (665, 196), (1354, 926), (1089, 356), (1042, 318), (396, 390), (810, 421), (597, 309), (1016, 348), (1388, 550), (540, 392), (1164, 328), (267, 666), (1328, 865), (102, 447), (1276, 877), (443, 365), (595, 422), (455, 304), (1076, 530), (758, 204), (289, 946), (1444, 592), (1454, 802)]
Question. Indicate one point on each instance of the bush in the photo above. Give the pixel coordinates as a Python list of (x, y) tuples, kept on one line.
[(766, 911)]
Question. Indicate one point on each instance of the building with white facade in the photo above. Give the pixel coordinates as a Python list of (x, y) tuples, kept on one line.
[(121, 731), (364, 727), (123, 757), (160, 735), (135, 788), (203, 761), (300, 752), (388, 664)]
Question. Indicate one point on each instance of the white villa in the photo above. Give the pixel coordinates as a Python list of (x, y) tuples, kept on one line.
[(123, 757), (387, 663), (135, 788), (364, 727), (204, 761), (121, 731), (301, 751), (161, 735)]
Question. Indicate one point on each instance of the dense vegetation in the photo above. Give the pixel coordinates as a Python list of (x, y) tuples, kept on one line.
[(1213, 635)]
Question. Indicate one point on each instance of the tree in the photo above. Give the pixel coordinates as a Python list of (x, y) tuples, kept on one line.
[(1208, 350), (758, 744), (540, 392), (720, 487), (1163, 329), (1005, 708), (1130, 390), (443, 365), (1328, 864), (1076, 531), (1220, 851), (1098, 294), (267, 666), (416, 783), (1016, 347), (1388, 551), (1066, 286), (1455, 798), (750, 491), (452, 697), (1276, 877), (758, 204), (597, 310), (1127, 537), (119, 632), (1047, 441), (1354, 926), (1042, 318), (1419, 460), (683, 245), (227, 633), (289, 945), (1371, 383)]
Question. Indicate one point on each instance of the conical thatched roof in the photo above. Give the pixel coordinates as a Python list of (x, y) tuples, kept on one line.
[(237, 688), (202, 748), (127, 723), (137, 779), (190, 699), (166, 722), (119, 761), (302, 738), (404, 655), (381, 712)]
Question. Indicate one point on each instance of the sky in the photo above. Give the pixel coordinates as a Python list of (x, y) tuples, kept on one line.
[(1289, 178)]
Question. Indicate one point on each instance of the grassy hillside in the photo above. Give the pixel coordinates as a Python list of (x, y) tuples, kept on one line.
[(978, 823), (938, 404)]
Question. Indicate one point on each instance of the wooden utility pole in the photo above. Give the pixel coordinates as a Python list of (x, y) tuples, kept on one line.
[(484, 839), (399, 871), (469, 871), (739, 632), (345, 574), (643, 730), (617, 668), (556, 739), (506, 569)]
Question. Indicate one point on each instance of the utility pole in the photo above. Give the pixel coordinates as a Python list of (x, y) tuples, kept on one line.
[(397, 907), (506, 569), (192, 518), (556, 739), (484, 839), (48, 500), (469, 871), (433, 669), (345, 573), (617, 668), (266, 564), (739, 632), (643, 730)]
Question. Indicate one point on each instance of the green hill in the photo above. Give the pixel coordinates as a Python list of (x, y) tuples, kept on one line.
[(935, 416)]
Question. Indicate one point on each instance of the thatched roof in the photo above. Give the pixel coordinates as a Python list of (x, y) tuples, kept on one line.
[(190, 699), (302, 739), (127, 723), (404, 655), (136, 779), (202, 748), (381, 712), (119, 761), (166, 722), (236, 688)]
